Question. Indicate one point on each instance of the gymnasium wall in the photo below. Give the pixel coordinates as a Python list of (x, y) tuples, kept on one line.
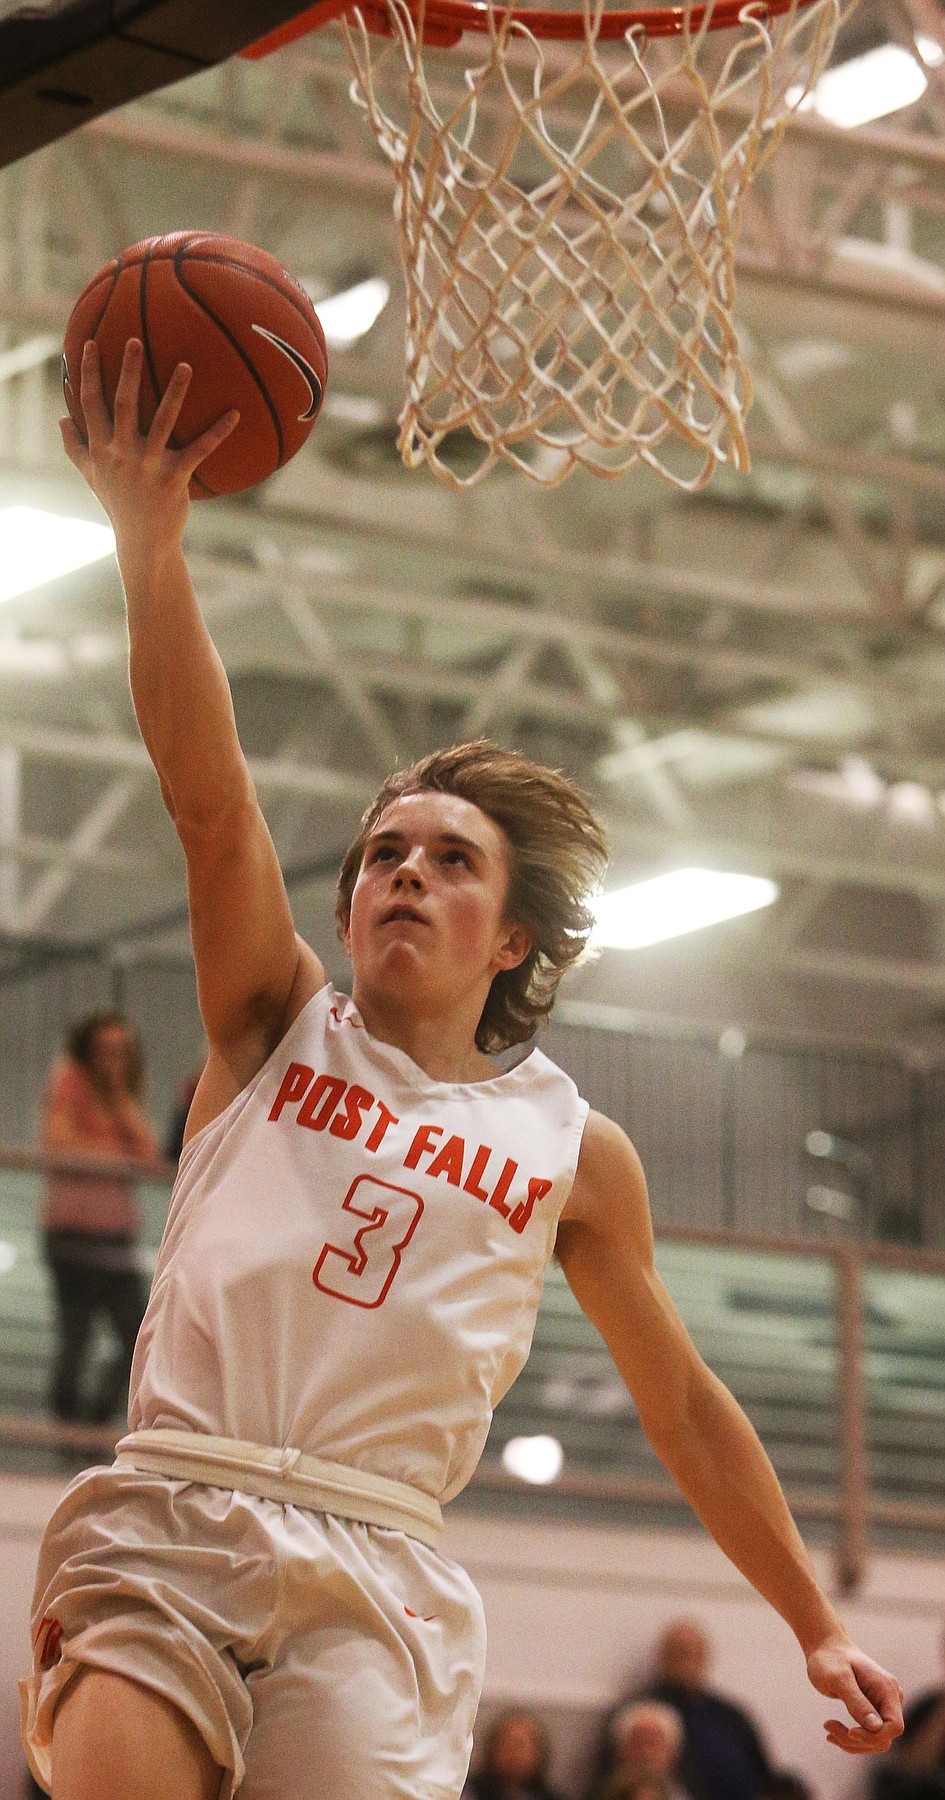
[(721, 1131), (572, 1612)]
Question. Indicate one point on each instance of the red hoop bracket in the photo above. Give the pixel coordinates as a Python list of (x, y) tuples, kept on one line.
[(445, 21)]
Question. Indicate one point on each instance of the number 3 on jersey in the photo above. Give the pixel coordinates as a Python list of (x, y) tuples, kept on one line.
[(362, 1272)]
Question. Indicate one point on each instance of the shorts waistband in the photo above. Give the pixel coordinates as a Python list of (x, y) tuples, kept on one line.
[(287, 1476)]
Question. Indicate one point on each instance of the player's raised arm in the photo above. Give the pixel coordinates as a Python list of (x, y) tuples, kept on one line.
[(251, 968), (700, 1433)]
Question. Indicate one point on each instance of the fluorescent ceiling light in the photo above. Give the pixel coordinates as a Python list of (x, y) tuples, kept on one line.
[(869, 86), (347, 316), (355, 409), (910, 801), (861, 783), (36, 547), (671, 905), (930, 50), (539, 1459)]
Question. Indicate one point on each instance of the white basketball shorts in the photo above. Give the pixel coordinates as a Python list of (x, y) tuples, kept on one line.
[(319, 1658)]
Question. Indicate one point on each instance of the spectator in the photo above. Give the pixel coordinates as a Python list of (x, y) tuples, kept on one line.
[(916, 1771), (647, 1742), (93, 1108), (724, 1757), (514, 1761)]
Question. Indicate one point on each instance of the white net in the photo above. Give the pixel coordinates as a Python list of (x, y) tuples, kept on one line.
[(568, 216)]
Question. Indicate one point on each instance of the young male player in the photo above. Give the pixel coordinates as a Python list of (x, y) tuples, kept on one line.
[(253, 1595)]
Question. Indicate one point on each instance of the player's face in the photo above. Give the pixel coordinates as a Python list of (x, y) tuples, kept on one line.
[(428, 908)]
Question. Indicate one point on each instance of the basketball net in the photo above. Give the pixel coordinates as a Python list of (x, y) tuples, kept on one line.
[(568, 216)]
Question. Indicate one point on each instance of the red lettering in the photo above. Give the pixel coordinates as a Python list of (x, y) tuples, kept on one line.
[(537, 1189), (327, 1090), (476, 1172), (376, 1138), (449, 1161), (423, 1141), (357, 1101), (294, 1083), (497, 1197)]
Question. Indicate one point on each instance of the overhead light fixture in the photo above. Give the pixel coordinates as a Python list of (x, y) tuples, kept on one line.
[(355, 409), (912, 802), (862, 786), (854, 783), (671, 905), (539, 1459), (37, 546), (930, 50), (868, 87), (347, 316)]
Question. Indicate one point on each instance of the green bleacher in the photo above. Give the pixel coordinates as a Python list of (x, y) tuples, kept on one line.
[(766, 1322)]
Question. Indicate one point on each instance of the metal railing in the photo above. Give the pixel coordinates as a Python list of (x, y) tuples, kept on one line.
[(836, 1348)]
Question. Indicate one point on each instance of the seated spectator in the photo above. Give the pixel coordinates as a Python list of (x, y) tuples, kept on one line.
[(647, 1743), (514, 1760), (915, 1767), (93, 1109), (724, 1757), (785, 1785)]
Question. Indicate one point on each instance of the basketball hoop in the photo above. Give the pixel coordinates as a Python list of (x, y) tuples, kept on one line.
[(568, 220)]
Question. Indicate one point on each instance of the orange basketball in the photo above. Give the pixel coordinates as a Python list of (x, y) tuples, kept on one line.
[(243, 323)]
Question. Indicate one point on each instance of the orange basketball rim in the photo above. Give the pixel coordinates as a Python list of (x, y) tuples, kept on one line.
[(449, 19)]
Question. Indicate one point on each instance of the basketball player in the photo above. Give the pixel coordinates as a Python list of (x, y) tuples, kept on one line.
[(252, 1596)]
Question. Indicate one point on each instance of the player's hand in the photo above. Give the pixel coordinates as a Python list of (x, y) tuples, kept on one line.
[(140, 479), (872, 1697)]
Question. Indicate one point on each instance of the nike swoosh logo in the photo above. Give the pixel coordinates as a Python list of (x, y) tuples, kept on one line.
[(305, 369)]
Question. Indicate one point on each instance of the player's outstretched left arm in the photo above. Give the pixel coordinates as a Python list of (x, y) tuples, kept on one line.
[(701, 1434)]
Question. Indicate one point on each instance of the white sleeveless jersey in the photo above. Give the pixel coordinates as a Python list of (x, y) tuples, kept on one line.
[(354, 1254)]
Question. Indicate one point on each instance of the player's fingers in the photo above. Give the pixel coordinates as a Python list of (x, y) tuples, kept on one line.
[(128, 389), (210, 440), (859, 1705), (855, 1740), (97, 422), (880, 1693), (168, 411)]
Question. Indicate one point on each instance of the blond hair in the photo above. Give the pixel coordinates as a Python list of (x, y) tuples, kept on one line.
[(558, 853)]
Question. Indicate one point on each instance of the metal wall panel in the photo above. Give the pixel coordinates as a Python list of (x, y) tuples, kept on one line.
[(666, 1093), (723, 1137)]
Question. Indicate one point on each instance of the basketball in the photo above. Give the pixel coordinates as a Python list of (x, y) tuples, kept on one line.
[(247, 328)]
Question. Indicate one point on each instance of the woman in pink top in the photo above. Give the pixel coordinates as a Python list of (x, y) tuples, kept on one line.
[(92, 1108)]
